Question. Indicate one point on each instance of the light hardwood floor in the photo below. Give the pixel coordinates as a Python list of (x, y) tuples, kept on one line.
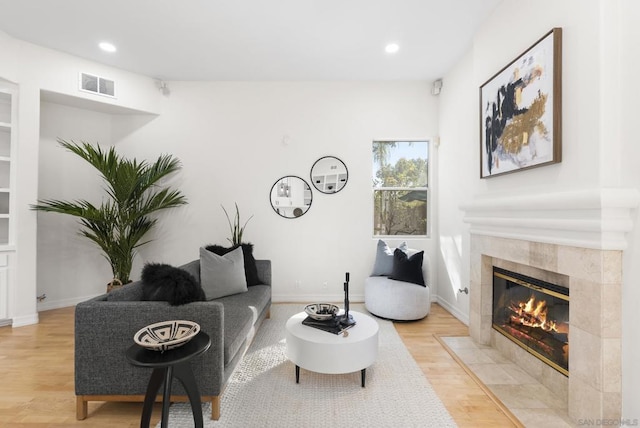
[(37, 385), (465, 400)]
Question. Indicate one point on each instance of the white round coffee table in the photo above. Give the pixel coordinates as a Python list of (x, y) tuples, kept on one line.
[(323, 352)]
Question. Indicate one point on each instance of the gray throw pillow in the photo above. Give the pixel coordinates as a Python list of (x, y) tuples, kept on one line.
[(383, 265), (222, 275)]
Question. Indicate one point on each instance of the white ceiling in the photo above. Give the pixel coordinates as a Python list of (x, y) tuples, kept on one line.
[(256, 39)]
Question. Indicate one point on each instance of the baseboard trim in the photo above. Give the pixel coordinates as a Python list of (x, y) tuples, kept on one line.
[(63, 303), (464, 318), (25, 320), (312, 298)]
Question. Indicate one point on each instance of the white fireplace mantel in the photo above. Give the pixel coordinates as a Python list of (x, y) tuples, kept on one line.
[(593, 218)]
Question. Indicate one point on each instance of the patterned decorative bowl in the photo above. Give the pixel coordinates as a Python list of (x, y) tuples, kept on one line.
[(166, 335), (321, 311)]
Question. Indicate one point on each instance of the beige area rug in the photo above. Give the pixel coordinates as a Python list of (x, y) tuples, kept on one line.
[(262, 392)]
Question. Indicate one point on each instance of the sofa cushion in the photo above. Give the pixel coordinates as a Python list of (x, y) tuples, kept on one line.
[(162, 282), (222, 275), (383, 265), (236, 310), (250, 269), (407, 268)]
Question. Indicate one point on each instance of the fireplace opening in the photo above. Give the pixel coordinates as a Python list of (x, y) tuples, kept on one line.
[(534, 314)]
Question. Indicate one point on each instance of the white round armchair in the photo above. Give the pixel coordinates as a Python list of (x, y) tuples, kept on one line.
[(397, 299)]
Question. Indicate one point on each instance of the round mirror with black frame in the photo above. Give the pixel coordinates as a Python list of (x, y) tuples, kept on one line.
[(291, 196), (329, 174)]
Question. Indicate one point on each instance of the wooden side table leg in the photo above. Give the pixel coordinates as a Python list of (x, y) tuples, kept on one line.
[(166, 397), (185, 375), (157, 377)]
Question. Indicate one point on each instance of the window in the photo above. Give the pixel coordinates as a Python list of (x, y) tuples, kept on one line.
[(400, 187)]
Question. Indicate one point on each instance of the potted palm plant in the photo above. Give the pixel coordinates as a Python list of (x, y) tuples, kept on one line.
[(125, 216)]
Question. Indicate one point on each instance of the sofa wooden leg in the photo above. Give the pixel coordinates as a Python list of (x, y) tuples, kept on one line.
[(81, 408), (268, 313), (215, 408)]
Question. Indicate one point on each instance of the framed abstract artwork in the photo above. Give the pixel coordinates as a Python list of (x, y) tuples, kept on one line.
[(521, 111)]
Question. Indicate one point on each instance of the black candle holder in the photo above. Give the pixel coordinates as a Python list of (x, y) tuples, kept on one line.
[(346, 320)]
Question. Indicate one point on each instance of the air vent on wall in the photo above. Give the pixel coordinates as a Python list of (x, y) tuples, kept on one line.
[(97, 85)]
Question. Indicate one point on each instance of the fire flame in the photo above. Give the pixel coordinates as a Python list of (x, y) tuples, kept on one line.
[(533, 314)]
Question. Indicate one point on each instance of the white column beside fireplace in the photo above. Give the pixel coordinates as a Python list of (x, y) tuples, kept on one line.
[(574, 239)]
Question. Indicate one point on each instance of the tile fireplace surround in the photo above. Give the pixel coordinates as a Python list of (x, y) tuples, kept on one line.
[(574, 239)]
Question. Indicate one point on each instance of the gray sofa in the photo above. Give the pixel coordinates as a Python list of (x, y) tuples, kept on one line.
[(105, 326)]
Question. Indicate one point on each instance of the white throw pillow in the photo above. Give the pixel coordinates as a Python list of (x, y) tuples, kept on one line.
[(222, 275)]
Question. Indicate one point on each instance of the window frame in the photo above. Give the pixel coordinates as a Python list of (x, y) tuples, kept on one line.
[(427, 234)]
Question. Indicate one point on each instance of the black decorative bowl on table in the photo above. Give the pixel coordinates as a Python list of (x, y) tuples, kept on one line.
[(324, 316), (166, 335), (321, 311)]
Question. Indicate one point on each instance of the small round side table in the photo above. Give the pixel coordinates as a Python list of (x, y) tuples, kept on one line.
[(167, 365)]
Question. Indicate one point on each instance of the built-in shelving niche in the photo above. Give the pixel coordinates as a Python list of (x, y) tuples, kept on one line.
[(7, 117)]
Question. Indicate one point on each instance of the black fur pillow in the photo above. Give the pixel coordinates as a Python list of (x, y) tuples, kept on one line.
[(250, 268), (162, 282)]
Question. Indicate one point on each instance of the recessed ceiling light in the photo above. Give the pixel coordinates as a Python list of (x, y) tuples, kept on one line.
[(391, 48), (107, 47)]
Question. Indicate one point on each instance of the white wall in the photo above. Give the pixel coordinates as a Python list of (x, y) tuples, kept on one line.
[(63, 277), (235, 140), (599, 112), (458, 166), (230, 137), (493, 49), (628, 17), (35, 69), (58, 72)]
